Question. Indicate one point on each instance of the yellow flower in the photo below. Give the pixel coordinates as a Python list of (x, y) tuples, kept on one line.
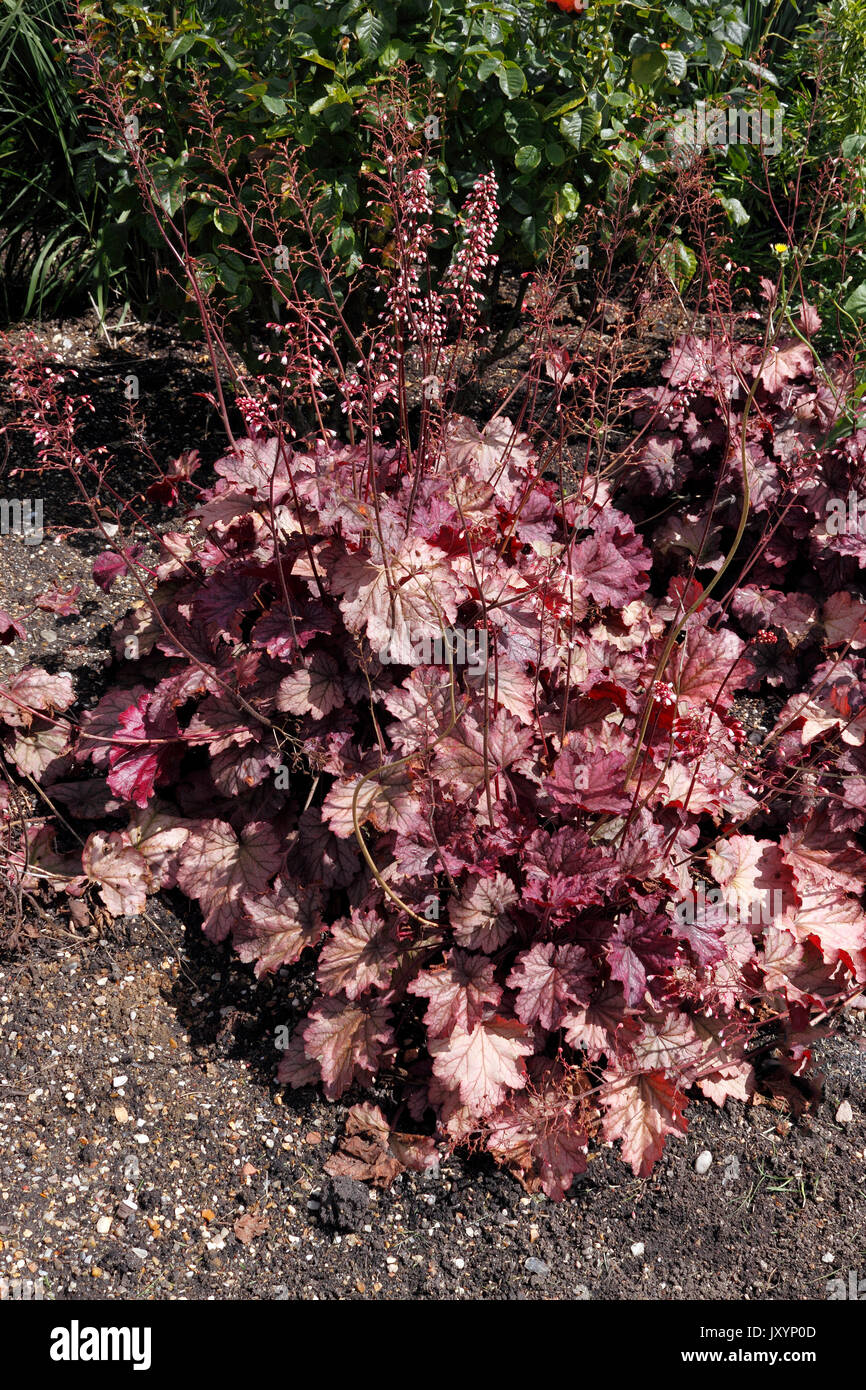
[(781, 248)]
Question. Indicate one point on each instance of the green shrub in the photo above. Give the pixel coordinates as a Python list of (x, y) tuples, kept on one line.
[(556, 103)]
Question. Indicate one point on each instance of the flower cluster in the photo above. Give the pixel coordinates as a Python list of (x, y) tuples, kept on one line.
[(464, 281)]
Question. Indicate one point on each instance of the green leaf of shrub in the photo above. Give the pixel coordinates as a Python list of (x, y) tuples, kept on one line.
[(647, 67), (680, 262), (225, 222), (370, 31), (571, 127), (855, 304), (735, 210), (680, 17), (527, 158), (511, 79), (179, 46), (676, 64)]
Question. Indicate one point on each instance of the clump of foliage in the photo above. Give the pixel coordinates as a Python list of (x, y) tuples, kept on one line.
[(444, 708)]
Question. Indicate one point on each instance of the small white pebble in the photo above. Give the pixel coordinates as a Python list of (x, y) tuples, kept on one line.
[(119, 1081), (638, 1248), (828, 1257), (702, 1162), (844, 1115), (103, 1225), (459, 1263)]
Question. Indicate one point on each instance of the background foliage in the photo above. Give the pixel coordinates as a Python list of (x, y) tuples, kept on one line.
[(559, 104)]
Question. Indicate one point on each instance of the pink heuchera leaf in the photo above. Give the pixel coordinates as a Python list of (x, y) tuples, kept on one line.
[(480, 917), (781, 958), (159, 837), (120, 870), (99, 726), (799, 971), (831, 917), (704, 930), (10, 628), (221, 725), (89, 799), (817, 852), (808, 319), (37, 750), (610, 571), (667, 1043), (296, 1068), (838, 703), (538, 1134), (480, 452), (597, 1029), (133, 772), (637, 950), (844, 619), (277, 928), (508, 686), (63, 604), (785, 363), (219, 870), (360, 954), (706, 669), (458, 992), (549, 978), (314, 688), (640, 1111), (234, 772), (110, 566), (752, 874), (462, 760), (728, 1083), (386, 801), (34, 690), (223, 604), (589, 782), (484, 1063), (348, 1040), (425, 596), (283, 635), (320, 856)]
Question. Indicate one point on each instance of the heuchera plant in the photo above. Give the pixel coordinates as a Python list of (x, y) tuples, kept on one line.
[(402, 702)]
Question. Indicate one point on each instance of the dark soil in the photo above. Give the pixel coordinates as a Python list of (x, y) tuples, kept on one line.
[(140, 1123)]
